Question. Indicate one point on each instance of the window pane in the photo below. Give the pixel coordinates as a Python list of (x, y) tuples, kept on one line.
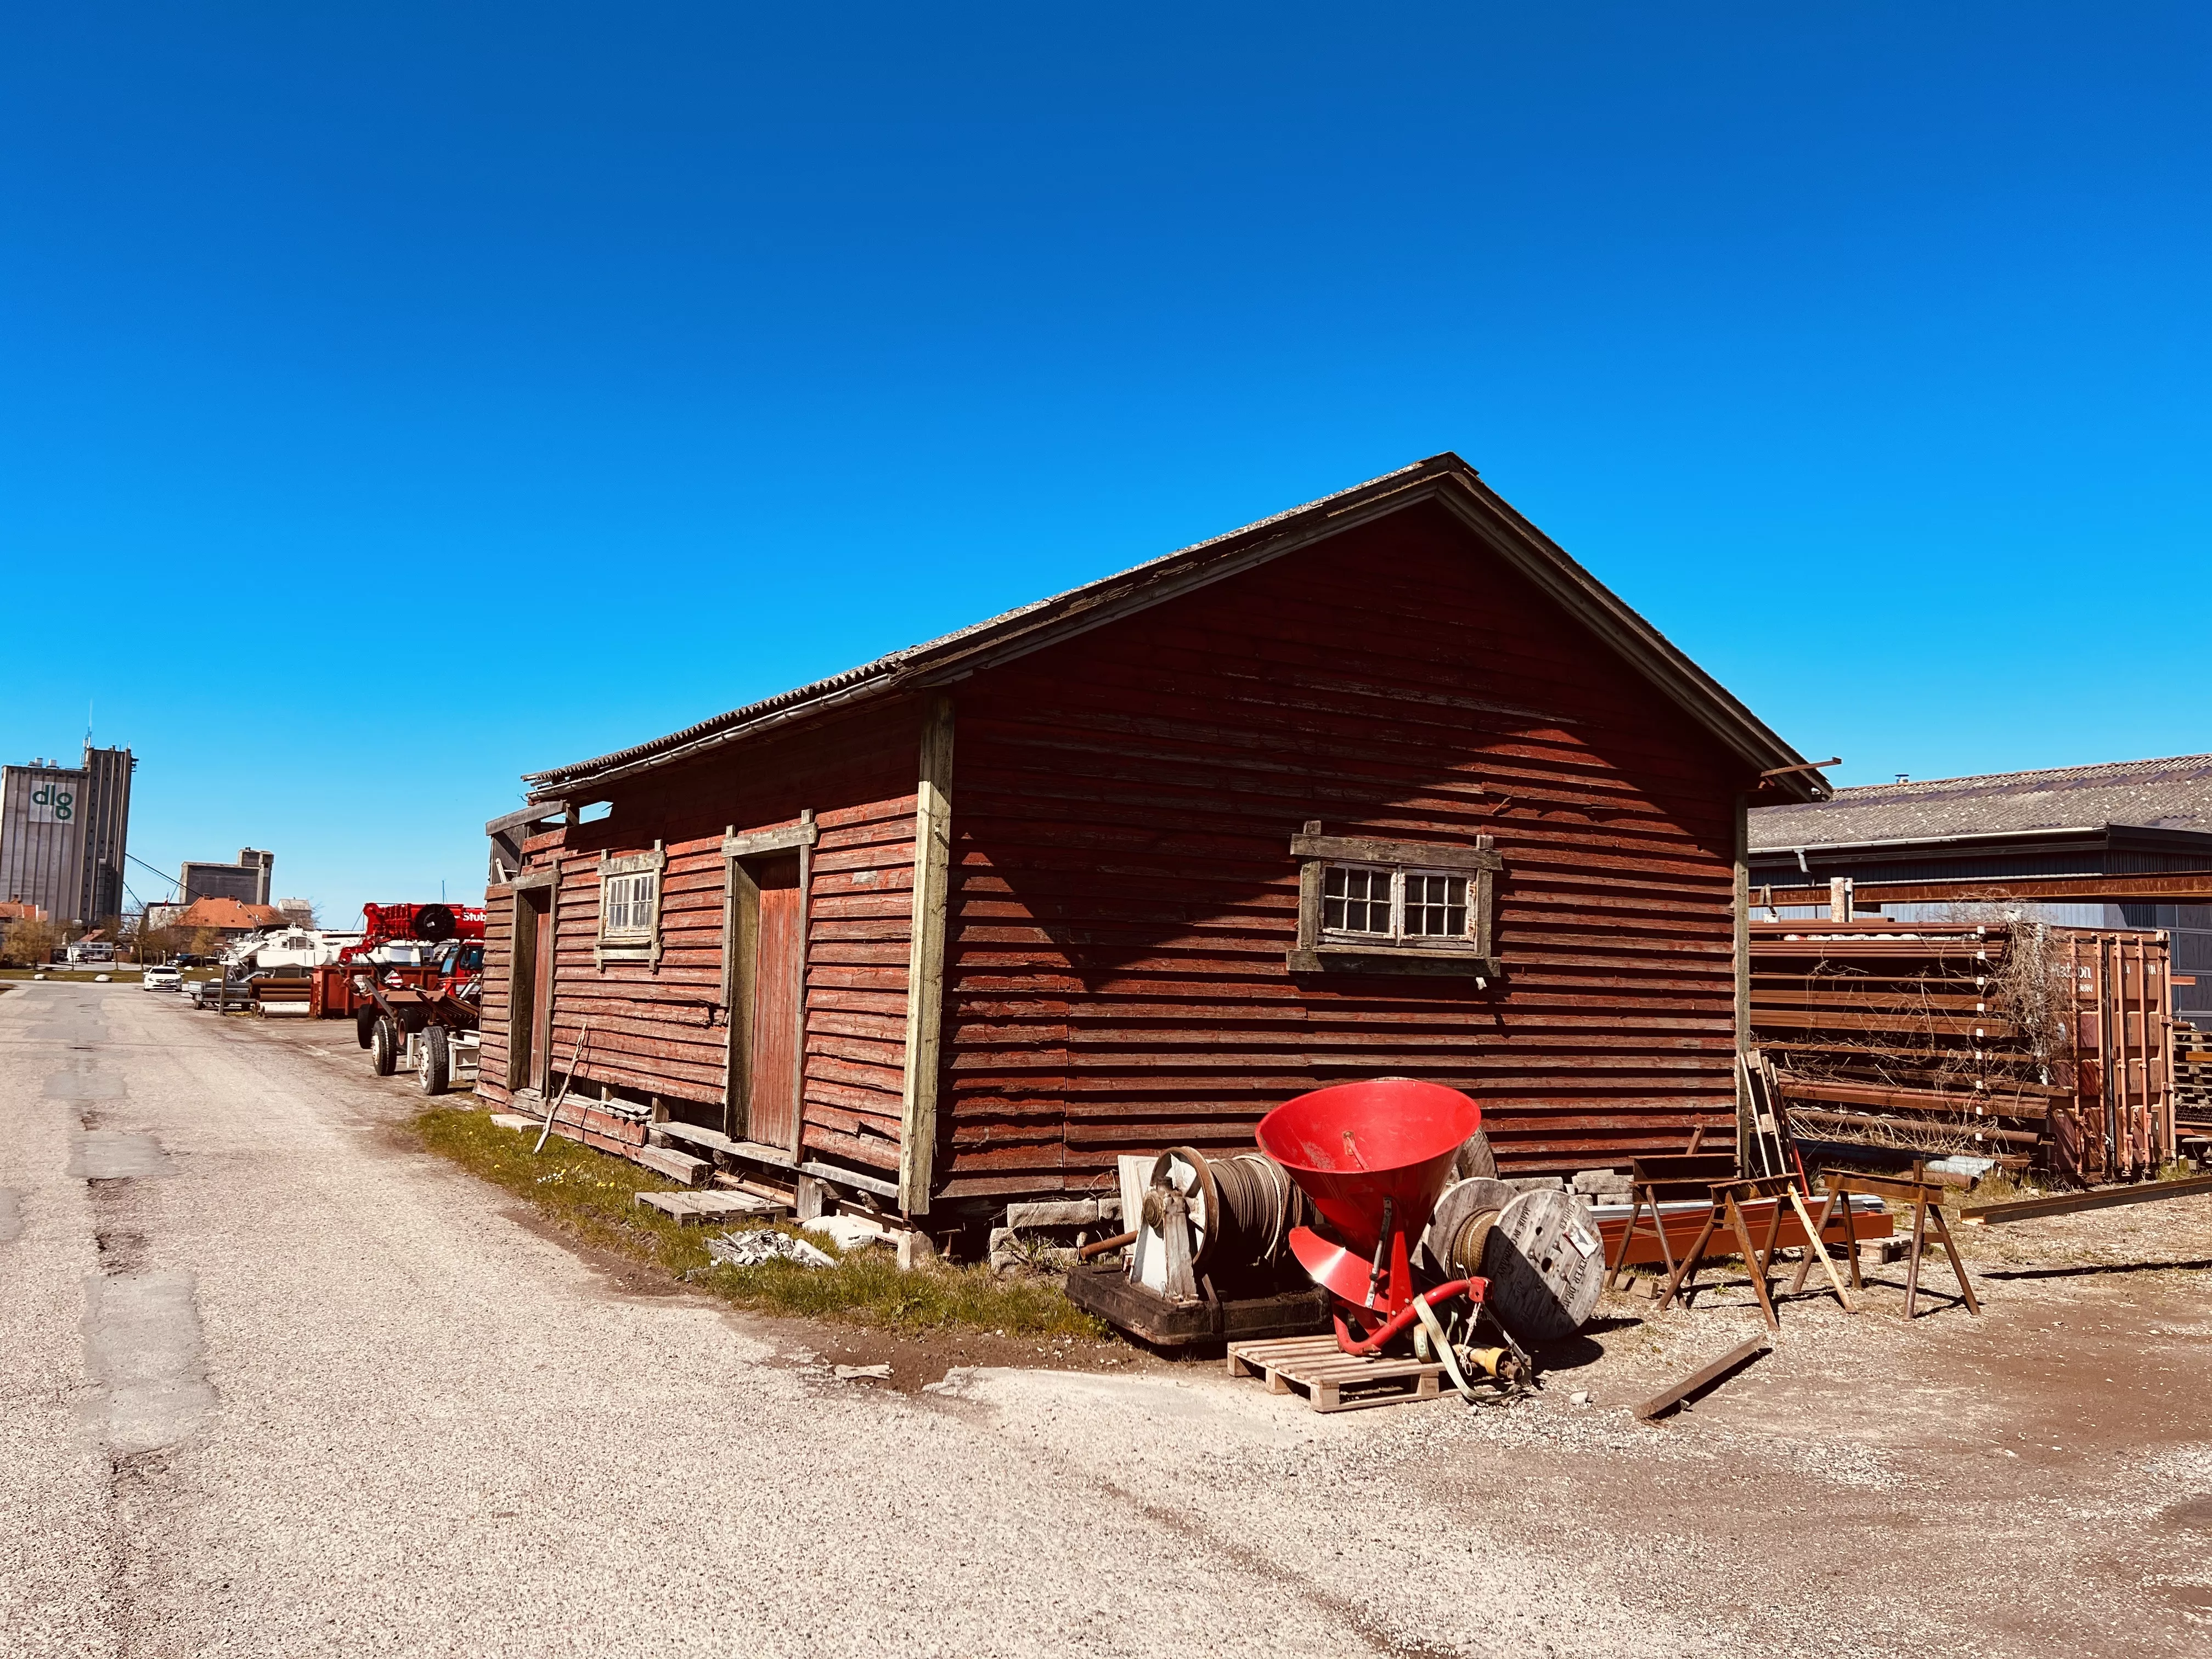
[(1355, 901), (629, 906), (1436, 907)]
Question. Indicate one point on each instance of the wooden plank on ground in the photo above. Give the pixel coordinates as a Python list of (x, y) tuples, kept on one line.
[(1697, 1381), (696, 1135), (2068, 1203)]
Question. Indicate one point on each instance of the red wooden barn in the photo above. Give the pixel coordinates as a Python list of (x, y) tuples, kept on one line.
[(1387, 785)]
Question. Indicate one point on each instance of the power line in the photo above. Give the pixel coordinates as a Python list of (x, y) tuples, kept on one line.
[(164, 874)]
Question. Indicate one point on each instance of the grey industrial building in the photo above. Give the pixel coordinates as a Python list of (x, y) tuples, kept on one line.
[(63, 832), (248, 880), (2129, 817)]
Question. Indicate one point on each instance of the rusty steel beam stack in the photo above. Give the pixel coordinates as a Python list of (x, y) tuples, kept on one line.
[(2050, 1049)]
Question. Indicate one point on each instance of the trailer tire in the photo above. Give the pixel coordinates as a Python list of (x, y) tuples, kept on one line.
[(384, 1048), (437, 1060), (364, 1025)]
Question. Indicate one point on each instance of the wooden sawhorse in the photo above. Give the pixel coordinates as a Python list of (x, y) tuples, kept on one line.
[(1729, 1198), (1926, 1198), (1669, 1175)]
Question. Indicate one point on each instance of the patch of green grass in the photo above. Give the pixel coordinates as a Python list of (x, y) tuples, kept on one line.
[(1998, 1186), (593, 1196)]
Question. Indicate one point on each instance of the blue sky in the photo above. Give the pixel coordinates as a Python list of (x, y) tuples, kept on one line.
[(1863, 349)]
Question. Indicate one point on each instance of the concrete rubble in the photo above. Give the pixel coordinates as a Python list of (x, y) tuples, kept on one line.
[(1603, 1184), (849, 1232), (750, 1249)]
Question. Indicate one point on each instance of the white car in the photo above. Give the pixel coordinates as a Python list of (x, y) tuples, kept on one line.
[(160, 979)]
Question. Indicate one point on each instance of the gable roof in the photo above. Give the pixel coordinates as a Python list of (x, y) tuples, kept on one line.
[(227, 913), (2174, 793), (1445, 479)]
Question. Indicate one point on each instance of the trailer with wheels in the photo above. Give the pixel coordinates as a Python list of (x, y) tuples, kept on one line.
[(428, 1028), (442, 1057), (341, 988)]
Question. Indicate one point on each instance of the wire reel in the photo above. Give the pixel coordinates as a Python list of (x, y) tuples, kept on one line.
[(1237, 1214), (1540, 1252), (1241, 1208)]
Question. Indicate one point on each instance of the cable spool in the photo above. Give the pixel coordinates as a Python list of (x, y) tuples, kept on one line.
[(1539, 1251), (1474, 1160), (1546, 1264), (1452, 1247), (1241, 1208)]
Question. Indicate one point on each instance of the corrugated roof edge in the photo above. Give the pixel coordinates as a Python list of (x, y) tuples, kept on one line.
[(1032, 626), (2040, 775)]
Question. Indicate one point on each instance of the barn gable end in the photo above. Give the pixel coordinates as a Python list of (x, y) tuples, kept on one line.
[(1125, 897), (1147, 783)]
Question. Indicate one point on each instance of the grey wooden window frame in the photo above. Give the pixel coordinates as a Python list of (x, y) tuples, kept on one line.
[(634, 944), (1319, 950)]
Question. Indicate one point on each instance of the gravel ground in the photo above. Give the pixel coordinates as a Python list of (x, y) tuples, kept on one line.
[(274, 1384)]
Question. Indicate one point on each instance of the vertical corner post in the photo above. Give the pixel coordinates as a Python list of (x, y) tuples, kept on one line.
[(925, 977), (1740, 905)]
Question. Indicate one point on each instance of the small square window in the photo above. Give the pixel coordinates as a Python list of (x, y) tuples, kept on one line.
[(1436, 906), (626, 906), (1372, 905), (629, 908)]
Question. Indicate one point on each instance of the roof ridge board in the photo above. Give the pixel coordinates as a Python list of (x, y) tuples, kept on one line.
[(1750, 736), (737, 718), (1093, 604)]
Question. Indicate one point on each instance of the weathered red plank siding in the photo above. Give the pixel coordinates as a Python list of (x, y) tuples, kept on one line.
[(859, 926), (498, 967), (652, 1029), (663, 1030), (1123, 895)]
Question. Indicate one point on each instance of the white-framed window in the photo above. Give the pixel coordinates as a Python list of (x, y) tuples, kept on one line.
[(629, 907), (627, 904), (1362, 902), (1371, 906)]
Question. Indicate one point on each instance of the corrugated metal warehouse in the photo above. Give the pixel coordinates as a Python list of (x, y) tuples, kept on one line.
[(2021, 834), (1386, 784)]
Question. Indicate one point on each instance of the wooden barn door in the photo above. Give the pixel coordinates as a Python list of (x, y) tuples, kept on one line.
[(530, 991), (767, 950), (772, 1114)]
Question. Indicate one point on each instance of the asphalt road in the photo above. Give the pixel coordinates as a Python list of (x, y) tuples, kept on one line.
[(274, 1383)]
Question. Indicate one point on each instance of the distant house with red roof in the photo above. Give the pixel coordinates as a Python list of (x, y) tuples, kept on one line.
[(227, 916)]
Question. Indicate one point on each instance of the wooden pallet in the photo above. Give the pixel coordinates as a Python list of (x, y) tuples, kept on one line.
[(1334, 1380), (696, 1209)]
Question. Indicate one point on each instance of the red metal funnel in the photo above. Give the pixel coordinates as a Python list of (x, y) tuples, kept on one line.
[(1361, 1150)]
